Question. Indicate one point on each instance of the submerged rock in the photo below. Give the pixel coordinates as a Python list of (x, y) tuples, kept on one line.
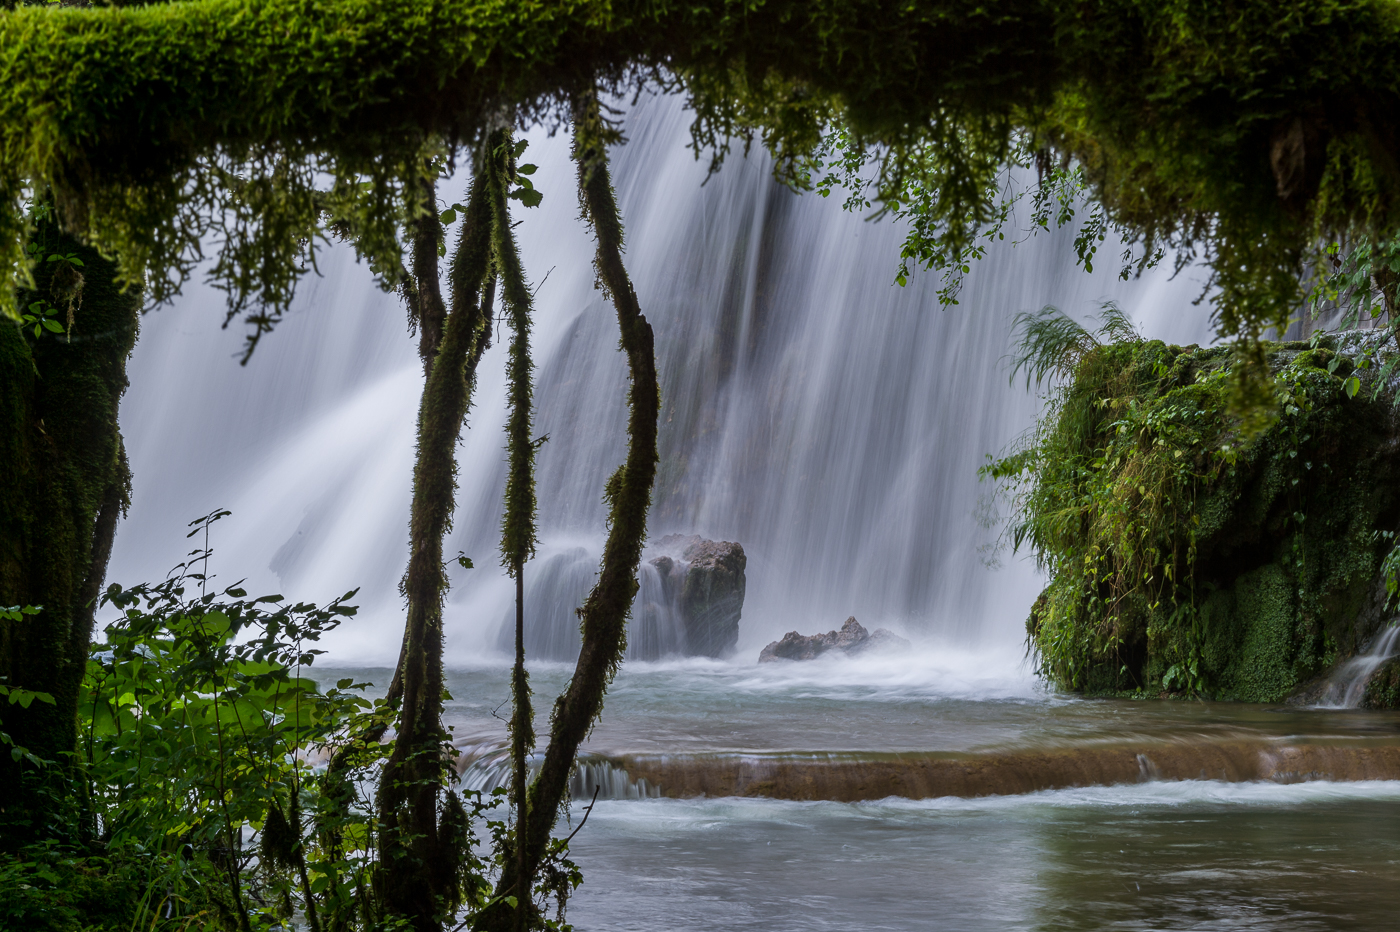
[(711, 591), (851, 639)]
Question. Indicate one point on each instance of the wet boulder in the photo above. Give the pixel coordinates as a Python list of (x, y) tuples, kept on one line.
[(850, 640), (711, 592)]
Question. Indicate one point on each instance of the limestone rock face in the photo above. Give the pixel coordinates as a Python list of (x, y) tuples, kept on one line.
[(711, 596), (852, 639)]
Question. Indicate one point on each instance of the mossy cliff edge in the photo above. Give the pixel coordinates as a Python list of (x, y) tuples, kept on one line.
[(1185, 557)]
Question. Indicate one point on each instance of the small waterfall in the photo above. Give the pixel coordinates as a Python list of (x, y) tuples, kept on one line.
[(1348, 683), (827, 420), (487, 767), (557, 584), (656, 630)]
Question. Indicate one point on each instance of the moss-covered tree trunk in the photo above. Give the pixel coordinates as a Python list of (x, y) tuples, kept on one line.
[(412, 881), (628, 492), (66, 484), (518, 528)]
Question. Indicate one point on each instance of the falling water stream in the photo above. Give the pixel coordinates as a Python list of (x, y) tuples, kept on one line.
[(833, 424)]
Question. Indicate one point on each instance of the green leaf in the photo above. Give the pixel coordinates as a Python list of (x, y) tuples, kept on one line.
[(530, 198), (1351, 386), (526, 169), (53, 326), (74, 260), (448, 216)]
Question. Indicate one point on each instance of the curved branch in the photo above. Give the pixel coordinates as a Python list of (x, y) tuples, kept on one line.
[(407, 882), (628, 493)]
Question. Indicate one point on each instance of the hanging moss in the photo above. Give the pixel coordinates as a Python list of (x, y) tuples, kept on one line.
[(603, 615), (518, 525), (1242, 130), (415, 880), (1184, 556)]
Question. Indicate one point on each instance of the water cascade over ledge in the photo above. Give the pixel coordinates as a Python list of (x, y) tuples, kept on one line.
[(828, 420)]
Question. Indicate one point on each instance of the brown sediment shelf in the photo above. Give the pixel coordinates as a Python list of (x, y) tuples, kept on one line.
[(849, 779)]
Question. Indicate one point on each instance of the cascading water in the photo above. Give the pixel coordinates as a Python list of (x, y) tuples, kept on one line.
[(829, 421), (1348, 683)]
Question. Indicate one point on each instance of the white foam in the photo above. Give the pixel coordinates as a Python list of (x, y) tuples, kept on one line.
[(700, 813)]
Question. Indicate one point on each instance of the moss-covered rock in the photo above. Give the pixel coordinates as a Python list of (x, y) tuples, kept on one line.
[(1383, 687), (1185, 556)]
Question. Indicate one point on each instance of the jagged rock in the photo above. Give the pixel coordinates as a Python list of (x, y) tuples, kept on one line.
[(711, 596), (850, 640)]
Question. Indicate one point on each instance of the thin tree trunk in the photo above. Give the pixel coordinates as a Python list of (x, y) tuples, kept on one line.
[(604, 613), (518, 529), (426, 307), (410, 786)]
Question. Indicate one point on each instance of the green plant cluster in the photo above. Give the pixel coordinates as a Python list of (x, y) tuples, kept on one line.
[(1185, 553), (217, 786)]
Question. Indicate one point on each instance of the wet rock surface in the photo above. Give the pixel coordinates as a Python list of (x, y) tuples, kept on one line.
[(851, 639), (709, 592), (1005, 773)]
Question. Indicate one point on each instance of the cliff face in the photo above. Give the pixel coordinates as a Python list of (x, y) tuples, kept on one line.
[(1188, 556)]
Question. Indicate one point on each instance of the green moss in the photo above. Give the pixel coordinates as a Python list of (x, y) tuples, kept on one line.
[(1383, 688), (1245, 132), (1185, 556), (58, 506), (1261, 668)]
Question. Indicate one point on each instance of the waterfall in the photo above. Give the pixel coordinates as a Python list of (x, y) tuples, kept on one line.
[(1347, 685), (826, 419)]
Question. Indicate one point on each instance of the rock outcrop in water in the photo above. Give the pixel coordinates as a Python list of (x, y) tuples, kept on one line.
[(850, 640), (1189, 557), (709, 592)]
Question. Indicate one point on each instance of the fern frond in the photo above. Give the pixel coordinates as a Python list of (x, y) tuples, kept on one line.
[(1117, 327), (1051, 344)]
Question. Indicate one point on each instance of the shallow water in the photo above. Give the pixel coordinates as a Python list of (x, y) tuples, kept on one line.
[(943, 702), (1159, 856), (1152, 855)]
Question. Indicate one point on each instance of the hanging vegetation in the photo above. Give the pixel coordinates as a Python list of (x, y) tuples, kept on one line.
[(1244, 131), (416, 880), (604, 612)]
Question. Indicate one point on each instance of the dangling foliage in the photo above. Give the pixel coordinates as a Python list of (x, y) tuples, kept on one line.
[(1244, 133), (1053, 344)]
